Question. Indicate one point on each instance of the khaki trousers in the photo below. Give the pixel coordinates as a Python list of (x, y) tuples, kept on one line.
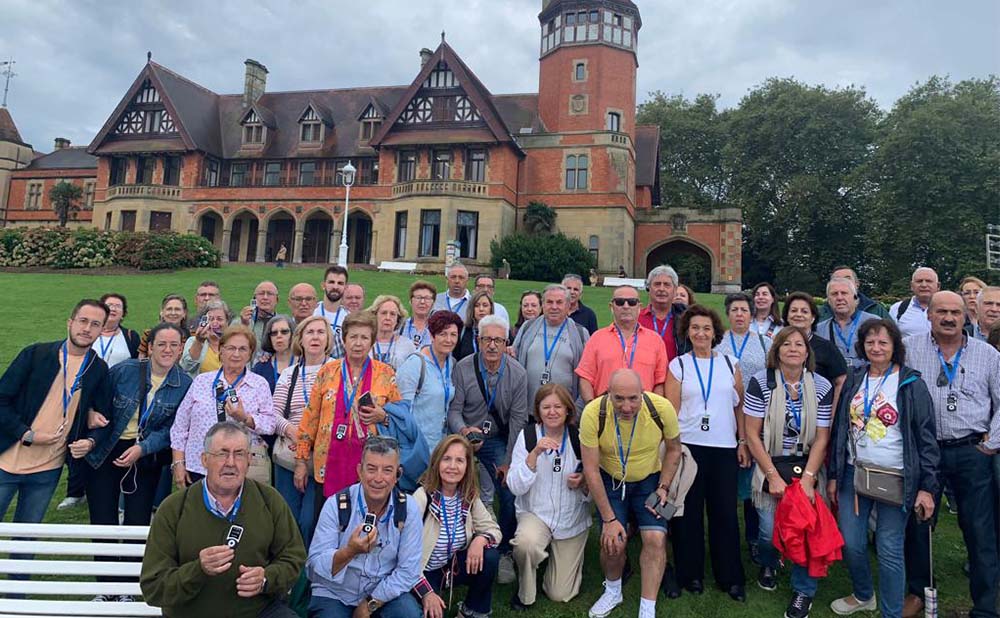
[(563, 573)]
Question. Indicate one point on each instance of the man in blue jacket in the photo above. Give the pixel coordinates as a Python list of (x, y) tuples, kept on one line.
[(45, 396)]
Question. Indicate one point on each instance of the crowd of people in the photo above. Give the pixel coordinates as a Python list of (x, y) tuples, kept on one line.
[(371, 460)]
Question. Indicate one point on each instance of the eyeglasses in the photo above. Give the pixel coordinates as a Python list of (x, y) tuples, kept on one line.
[(621, 302), (497, 341), (280, 331), (85, 323), (117, 306), (237, 456), (302, 299), (234, 350), (423, 299)]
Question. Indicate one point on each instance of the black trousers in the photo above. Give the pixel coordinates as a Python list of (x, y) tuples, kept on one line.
[(76, 480), (970, 475), (105, 486), (714, 491)]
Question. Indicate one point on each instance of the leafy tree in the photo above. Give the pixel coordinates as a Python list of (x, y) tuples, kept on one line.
[(934, 183), (65, 198), (692, 136), (539, 218), (541, 258)]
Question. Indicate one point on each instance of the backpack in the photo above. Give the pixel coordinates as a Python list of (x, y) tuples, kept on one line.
[(903, 306), (602, 417), (531, 438), (343, 498)]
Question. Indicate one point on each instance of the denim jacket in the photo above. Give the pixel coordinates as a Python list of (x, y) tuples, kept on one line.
[(125, 384)]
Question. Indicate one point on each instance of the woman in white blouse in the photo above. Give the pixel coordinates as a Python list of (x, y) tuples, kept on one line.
[(707, 389), (551, 500)]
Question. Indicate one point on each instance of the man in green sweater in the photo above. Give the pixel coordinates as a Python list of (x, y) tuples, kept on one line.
[(192, 567)]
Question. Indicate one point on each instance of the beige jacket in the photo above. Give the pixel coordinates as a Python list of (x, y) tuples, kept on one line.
[(687, 470), (478, 519)]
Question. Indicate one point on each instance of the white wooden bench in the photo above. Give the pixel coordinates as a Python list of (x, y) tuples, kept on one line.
[(64, 556), (613, 282), (402, 267)]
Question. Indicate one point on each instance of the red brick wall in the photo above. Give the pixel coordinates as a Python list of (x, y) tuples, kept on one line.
[(651, 235), (610, 83), (50, 178)]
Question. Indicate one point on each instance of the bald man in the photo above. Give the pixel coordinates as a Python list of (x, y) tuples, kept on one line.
[(910, 314), (302, 301), (622, 476), (262, 308), (963, 377), (457, 296)]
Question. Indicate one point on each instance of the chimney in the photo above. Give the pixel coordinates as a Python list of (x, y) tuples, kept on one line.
[(425, 56), (61, 143), (256, 79)]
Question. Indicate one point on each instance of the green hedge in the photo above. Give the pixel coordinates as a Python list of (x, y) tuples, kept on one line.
[(89, 248), (541, 258)]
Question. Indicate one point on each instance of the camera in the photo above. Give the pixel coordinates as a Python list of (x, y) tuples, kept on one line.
[(233, 536), (487, 426), (233, 398), (203, 322), (253, 303), (369, 524)]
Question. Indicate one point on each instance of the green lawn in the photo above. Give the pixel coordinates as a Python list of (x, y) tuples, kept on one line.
[(38, 305)]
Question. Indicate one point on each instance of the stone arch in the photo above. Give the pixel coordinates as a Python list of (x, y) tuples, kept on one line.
[(283, 227), (360, 225), (209, 225), (242, 227), (695, 263), (318, 242)]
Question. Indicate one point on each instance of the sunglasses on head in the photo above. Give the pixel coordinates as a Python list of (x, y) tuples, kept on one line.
[(621, 302)]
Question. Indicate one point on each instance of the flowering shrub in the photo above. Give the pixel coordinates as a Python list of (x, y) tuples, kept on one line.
[(89, 248)]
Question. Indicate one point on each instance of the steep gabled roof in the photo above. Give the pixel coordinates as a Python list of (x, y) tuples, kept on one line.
[(8, 130), (324, 113), (375, 104), (474, 89), (647, 159)]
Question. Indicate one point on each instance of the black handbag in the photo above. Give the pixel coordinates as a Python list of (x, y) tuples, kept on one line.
[(789, 467)]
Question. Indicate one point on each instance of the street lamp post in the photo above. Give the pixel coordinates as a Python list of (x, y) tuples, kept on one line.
[(348, 178)]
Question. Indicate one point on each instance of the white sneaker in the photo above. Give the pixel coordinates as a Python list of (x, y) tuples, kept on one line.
[(850, 604), (69, 502), (505, 570), (604, 605), (126, 598), (104, 598)]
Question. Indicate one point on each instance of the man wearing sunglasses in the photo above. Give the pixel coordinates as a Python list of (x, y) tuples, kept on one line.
[(625, 344), (963, 377)]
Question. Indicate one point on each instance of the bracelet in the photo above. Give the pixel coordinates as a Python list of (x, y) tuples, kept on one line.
[(741, 442), (664, 487), (174, 464), (770, 472), (808, 473), (608, 521)]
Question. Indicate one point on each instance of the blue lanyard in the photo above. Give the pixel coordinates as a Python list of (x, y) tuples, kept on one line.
[(732, 344), (363, 507), (67, 397), (457, 307), (450, 528), (345, 374), (336, 316), (106, 348), (635, 344), (623, 455), (950, 371), (445, 375), (850, 336), (214, 511), (491, 396), (302, 381), (274, 366), (666, 323), (562, 447), (870, 402), (217, 381), (795, 407), (545, 340), (705, 393), (385, 358)]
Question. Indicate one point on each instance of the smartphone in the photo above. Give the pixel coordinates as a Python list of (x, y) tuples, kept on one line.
[(475, 437), (253, 303), (203, 322), (369, 524), (666, 511), (234, 536), (366, 400)]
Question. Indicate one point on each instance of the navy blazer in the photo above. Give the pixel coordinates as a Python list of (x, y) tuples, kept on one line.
[(26, 383)]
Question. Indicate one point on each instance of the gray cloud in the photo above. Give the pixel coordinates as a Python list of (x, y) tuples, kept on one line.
[(76, 59)]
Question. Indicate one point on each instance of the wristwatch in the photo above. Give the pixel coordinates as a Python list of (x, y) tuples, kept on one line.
[(29, 438), (373, 605)]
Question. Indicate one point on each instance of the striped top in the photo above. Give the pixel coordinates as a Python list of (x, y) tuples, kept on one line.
[(452, 534), (758, 399)]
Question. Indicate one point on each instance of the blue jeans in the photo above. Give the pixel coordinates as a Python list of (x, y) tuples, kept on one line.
[(492, 454), (403, 606), (302, 504), (801, 582), (890, 531), (34, 492)]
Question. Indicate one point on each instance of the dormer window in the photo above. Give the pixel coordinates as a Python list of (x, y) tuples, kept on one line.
[(371, 120), (311, 130), (253, 129)]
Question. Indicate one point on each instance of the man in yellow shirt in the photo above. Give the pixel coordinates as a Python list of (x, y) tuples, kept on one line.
[(620, 437)]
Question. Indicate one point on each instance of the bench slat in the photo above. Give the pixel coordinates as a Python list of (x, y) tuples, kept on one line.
[(71, 548), (70, 567), (613, 282), (33, 607), (68, 588), (71, 531), (398, 266)]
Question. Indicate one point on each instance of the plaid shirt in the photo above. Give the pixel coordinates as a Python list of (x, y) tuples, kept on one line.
[(976, 386)]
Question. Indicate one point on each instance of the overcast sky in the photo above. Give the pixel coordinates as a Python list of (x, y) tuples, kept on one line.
[(75, 59)]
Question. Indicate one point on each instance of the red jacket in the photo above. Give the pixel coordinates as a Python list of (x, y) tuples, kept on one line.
[(806, 533)]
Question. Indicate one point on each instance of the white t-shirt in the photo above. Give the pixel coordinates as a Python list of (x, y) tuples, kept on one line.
[(913, 321), (113, 349), (880, 441), (722, 398)]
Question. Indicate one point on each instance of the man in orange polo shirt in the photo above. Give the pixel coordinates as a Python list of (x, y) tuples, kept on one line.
[(623, 345)]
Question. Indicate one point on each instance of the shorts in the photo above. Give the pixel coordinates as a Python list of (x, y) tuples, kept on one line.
[(633, 507)]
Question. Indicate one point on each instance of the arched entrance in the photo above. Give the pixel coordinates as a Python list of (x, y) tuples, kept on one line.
[(280, 229), (243, 237), (359, 237), (210, 228), (316, 238), (692, 262)]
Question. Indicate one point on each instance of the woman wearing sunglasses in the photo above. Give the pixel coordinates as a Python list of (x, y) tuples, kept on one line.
[(277, 346)]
